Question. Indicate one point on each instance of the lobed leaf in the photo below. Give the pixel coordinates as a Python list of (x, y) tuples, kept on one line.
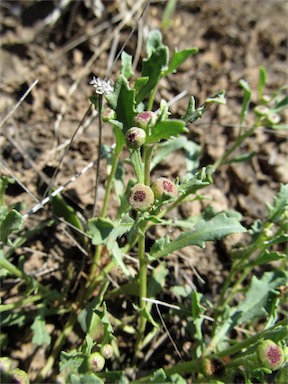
[(214, 229)]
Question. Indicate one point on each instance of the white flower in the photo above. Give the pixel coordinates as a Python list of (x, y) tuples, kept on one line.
[(102, 86)]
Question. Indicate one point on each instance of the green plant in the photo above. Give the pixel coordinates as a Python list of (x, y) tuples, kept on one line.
[(144, 204)]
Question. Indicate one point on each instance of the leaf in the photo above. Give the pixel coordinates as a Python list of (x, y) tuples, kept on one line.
[(203, 231), (281, 104), (152, 69), (154, 41), (267, 258), (99, 229), (126, 68), (108, 329), (178, 58), (71, 361), (218, 98), (87, 378), (120, 139), (261, 81), (246, 100), (192, 114), (62, 209), (241, 158), (261, 295), (166, 129), (122, 100), (41, 336), (12, 222), (157, 280), (276, 211)]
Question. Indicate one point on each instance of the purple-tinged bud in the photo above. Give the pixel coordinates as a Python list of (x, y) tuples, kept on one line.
[(96, 362), (214, 368), (164, 185), (261, 110), (17, 376), (145, 119), (135, 137), (270, 355), (265, 99), (273, 118), (107, 351), (108, 114), (5, 364), (141, 197)]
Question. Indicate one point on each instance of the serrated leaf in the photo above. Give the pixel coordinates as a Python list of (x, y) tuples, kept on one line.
[(178, 58), (41, 336), (71, 361), (261, 295), (126, 68), (154, 41), (122, 100), (12, 222), (280, 205), (152, 68), (165, 129), (203, 231)]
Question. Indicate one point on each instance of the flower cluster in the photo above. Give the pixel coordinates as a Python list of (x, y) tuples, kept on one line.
[(102, 87)]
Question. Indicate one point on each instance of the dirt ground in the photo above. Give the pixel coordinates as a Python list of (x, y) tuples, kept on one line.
[(63, 50)]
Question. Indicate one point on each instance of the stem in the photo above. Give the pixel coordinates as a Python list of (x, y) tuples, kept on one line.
[(142, 286), (147, 155), (137, 165)]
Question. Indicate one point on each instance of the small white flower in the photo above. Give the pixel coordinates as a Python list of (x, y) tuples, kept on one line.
[(102, 86)]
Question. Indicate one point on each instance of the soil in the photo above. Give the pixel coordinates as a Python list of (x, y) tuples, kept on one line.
[(62, 51)]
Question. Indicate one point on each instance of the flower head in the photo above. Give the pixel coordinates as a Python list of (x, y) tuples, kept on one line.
[(270, 355), (164, 186), (106, 351), (145, 119), (141, 197), (96, 362), (135, 137), (102, 86), (214, 368)]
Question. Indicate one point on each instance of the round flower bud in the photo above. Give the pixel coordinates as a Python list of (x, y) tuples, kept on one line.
[(214, 368), (270, 355), (273, 118), (164, 185), (96, 362), (135, 137), (261, 110), (141, 197), (5, 364), (107, 351), (108, 114), (18, 376), (145, 119)]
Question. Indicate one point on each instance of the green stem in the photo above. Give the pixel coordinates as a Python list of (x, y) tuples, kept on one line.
[(147, 155), (137, 165), (142, 286)]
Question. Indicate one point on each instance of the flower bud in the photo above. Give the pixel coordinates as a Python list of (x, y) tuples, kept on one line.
[(141, 197), (214, 368), (261, 110), (108, 114), (270, 355), (18, 376), (164, 185), (145, 119), (5, 364), (107, 351), (135, 137), (96, 362), (273, 118)]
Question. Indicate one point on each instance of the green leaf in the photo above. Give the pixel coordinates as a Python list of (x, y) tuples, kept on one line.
[(99, 229), (218, 98), (71, 361), (268, 257), (63, 209), (41, 336), (276, 212), (108, 329), (120, 139), (154, 41), (157, 280), (241, 158), (166, 129), (126, 68), (261, 295), (178, 58), (152, 69), (192, 114), (122, 100), (280, 105), (87, 378), (214, 229), (246, 100), (261, 81), (12, 222)]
